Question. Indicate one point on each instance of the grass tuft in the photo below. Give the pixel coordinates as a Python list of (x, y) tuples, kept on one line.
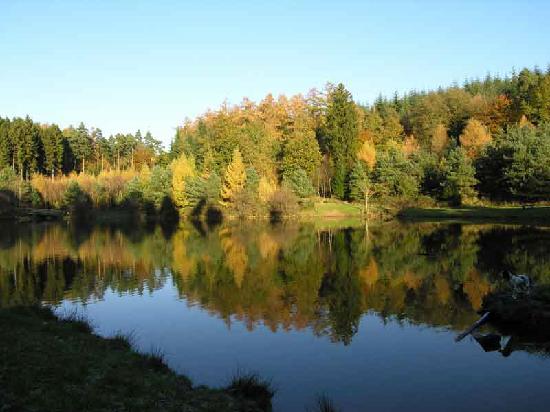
[(156, 359), (77, 320), (250, 386), (123, 341)]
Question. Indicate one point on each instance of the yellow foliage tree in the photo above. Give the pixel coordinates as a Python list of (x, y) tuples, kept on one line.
[(440, 139), (234, 178), (410, 145), (474, 137), (367, 154), (182, 168), (266, 188)]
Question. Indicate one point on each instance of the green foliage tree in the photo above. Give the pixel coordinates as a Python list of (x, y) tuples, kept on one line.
[(81, 145), (360, 185), (301, 153), (341, 137), (6, 145), (53, 143), (460, 181), (394, 174), (298, 181)]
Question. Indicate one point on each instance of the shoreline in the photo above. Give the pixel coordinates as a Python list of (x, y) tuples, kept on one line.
[(329, 212), (58, 364)]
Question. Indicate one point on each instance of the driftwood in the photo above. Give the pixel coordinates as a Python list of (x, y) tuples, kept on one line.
[(476, 325)]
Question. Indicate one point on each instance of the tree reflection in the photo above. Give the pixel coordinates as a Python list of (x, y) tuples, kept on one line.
[(284, 276)]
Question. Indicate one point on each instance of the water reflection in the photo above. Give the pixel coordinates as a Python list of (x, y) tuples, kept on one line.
[(288, 277)]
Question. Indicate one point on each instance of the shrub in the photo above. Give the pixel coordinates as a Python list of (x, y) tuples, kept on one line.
[(76, 201), (283, 203)]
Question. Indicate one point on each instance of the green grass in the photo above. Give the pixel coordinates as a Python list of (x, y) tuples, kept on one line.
[(536, 214), (51, 364), (333, 209)]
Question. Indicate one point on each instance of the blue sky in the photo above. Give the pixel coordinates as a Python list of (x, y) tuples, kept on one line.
[(124, 65)]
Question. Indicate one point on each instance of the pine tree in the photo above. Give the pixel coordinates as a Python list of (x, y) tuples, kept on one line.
[(234, 179), (26, 146), (81, 145), (52, 141), (341, 137), (6, 145)]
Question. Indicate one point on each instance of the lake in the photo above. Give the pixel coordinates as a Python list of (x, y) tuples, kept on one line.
[(366, 316)]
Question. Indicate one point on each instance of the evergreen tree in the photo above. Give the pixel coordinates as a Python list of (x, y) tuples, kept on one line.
[(81, 145), (52, 141), (298, 181), (459, 177), (341, 137), (26, 145), (6, 145), (152, 143)]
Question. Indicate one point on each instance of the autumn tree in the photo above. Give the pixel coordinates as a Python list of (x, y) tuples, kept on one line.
[(182, 168), (367, 154), (440, 139), (474, 138), (234, 179)]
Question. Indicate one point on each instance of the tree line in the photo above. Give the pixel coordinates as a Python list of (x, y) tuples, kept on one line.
[(488, 138), (29, 147), (485, 140)]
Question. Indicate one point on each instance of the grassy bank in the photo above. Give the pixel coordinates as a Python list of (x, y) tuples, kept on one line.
[(534, 214), (49, 364)]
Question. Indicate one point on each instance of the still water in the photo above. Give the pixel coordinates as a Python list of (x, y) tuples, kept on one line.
[(366, 317)]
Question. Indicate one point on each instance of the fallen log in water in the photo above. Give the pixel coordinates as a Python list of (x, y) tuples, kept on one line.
[(476, 325)]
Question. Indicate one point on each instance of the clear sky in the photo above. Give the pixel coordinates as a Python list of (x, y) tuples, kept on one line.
[(124, 65)]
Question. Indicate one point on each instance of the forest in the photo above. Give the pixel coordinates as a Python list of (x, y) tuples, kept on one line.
[(485, 142)]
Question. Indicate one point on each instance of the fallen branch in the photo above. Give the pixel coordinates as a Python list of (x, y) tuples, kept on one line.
[(476, 325)]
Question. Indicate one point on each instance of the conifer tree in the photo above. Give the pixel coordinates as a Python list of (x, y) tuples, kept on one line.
[(234, 178), (341, 137), (182, 169), (52, 141)]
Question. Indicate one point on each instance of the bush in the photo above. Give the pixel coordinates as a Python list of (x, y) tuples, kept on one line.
[(77, 202), (283, 203)]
